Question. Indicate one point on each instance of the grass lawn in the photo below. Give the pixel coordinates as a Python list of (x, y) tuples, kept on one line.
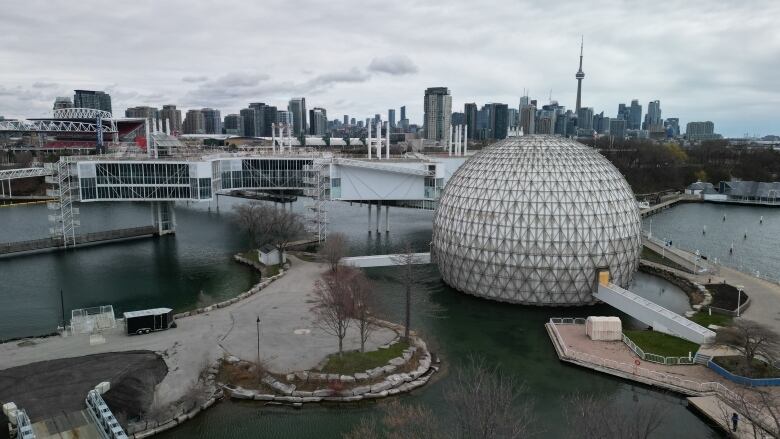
[(351, 362), (662, 344), (704, 319), (652, 256), (736, 365)]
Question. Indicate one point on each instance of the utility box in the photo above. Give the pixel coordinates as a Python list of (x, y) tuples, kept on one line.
[(604, 328), (149, 320)]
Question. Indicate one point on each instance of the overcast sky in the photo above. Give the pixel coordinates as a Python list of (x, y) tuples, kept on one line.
[(704, 60)]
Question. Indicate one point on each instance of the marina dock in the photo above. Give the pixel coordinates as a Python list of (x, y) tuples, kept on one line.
[(48, 244)]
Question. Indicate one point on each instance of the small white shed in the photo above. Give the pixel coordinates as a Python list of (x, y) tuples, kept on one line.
[(269, 255), (604, 328)]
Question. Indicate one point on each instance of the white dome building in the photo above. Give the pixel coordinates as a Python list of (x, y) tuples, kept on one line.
[(531, 219)]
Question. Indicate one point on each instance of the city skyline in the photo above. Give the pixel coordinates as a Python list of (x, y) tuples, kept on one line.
[(685, 68)]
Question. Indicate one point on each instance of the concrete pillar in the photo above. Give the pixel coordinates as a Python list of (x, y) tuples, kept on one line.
[(449, 142), (378, 213), (387, 141), (10, 195), (369, 217), (368, 141), (457, 139), (273, 137), (387, 219), (465, 139), (148, 140), (168, 126)]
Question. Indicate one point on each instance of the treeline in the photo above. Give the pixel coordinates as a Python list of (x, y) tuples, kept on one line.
[(651, 166)]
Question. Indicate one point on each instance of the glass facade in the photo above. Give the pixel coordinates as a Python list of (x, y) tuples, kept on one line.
[(143, 181), (266, 174)]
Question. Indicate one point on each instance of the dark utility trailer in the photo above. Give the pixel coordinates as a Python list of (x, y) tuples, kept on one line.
[(148, 320)]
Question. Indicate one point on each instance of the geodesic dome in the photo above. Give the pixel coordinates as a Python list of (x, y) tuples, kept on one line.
[(531, 219)]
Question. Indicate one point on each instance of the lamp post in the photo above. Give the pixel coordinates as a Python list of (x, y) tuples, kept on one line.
[(739, 297)]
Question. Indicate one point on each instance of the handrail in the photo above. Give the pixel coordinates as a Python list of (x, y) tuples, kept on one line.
[(101, 414), (655, 358)]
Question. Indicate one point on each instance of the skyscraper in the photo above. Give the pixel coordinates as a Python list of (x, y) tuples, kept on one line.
[(297, 106), (458, 118), (62, 102), (470, 111), (150, 113), (284, 117), (318, 118), (672, 125), (346, 119), (585, 121), (580, 76), (696, 131), (97, 100), (653, 121), (499, 121), (528, 119), (438, 113), (194, 122), (212, 121), (170, 113), (635, 116), (617, 128), (249, 121), (391, 117), (234, 125)]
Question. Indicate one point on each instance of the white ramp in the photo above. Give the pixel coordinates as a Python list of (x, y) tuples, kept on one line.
[(384, 260), (650, 313)]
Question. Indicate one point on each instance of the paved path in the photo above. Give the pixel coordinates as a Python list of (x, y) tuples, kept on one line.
[(289, 339), (719, 412)]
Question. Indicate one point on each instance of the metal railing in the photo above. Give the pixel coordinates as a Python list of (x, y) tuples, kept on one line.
[(684, 385), (101, 414), (655, 358), (24, 428)]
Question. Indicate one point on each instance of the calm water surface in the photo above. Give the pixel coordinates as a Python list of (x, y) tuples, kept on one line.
[(195, 268)]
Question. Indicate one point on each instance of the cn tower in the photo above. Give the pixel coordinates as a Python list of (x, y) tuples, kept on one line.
[(580, 76)]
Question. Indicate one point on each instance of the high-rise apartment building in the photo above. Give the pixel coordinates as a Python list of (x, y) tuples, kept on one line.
[(499, 121), (97, 100), (391, 118), (585, 121), (346, 120), (617, 128), (318, 118), (297, 106), (437, 105), (528, 118), (212, 121), (150, 113), (470, 116), (514, 118), (62, 102), (403, 112), (653, 121), (171, 114), (696, 131), (635, 116), (194, 122), (458, 118), (672, 126), (249, 122), (234, 125), (284, 117), (352, 121)]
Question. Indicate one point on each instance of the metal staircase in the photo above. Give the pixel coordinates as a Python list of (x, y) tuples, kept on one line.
[(64, 221), (317, 180)]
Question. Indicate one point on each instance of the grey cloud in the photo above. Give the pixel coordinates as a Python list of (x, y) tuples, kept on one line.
[(326, 80), (393, 65), (45, 85), (195, 78)]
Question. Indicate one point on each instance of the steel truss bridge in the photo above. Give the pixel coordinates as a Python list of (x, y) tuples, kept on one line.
[(67, 120)]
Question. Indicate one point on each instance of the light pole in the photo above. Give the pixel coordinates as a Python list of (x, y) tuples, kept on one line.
[(739, 297)]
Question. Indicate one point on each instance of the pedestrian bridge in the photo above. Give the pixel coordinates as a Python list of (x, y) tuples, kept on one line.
[(386, 260), (652, 314)]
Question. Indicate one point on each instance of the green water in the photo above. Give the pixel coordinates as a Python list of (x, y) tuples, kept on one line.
[(173, 271)]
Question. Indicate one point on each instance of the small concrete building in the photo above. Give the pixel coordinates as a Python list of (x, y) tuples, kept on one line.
[(269, 255), (698, 187)]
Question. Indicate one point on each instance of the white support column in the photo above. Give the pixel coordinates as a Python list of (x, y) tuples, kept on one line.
[(449, 142), (387, 219), (368, 142), (148, 139), (465, 139), (378, 213), (387, 142), (168, 126), (10, 195), (458, 138), (378, 145)]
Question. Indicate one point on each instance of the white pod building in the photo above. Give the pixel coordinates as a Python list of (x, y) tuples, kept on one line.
[(531, 220)]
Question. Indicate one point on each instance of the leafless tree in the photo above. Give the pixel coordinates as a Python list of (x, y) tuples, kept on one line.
[(590, 417), (156, 413), (268, 225), (366, 429), (759, 408), (488, 404), (334, 248), (407, 260), (361, 288), (400, 421), (333, 304), (752, 340)]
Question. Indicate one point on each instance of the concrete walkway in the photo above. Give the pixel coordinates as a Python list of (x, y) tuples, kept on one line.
[(719, 412), (289, 339)]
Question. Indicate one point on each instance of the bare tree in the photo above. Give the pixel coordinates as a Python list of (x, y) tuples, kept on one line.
[(487, 404), (361, 288), (752, 340), (594, 418), (366, 429), (268, 225), (334, 249), (400, 421), (757, 407), (333, 304), (407, 261)]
